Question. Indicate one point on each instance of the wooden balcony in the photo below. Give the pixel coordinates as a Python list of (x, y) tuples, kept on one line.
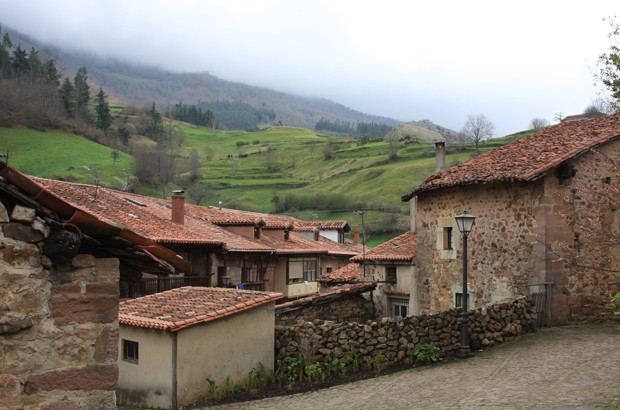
[(149, 286)]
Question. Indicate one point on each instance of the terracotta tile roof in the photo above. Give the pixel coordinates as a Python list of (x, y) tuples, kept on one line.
[(229, 240), (298, 243), (402, 248), (528, 158), (151, 217), (334, 293), (179, 308), (309, 226), (111, 206), (141, 253), (223, 216), (396, 292), (348, 273)]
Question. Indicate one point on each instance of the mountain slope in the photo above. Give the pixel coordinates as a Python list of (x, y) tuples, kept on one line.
[(142, 85)]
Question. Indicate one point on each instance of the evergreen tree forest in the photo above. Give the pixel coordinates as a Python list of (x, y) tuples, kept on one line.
[(360, 129)]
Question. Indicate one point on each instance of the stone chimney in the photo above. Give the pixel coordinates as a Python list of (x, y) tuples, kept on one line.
[(178, 206), (316, 234), (287, 231), (440, 155)]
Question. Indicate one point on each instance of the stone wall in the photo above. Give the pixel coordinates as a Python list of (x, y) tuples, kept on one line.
[(347, 308), (395, 338), (58, 329), (501, 258), (528, 234)]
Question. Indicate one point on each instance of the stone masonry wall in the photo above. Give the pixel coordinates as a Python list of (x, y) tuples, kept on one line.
[(348, 308), (58, 330), (395, 338), (500, 256)]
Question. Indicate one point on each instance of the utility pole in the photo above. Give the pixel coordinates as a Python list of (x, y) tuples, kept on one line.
[(361, 213)]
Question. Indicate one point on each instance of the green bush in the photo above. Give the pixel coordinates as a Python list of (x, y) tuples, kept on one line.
[(426, 353)]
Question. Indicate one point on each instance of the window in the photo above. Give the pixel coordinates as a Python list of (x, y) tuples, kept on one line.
[(310, 270), (130, 351), (399, 307), (390, 274), (447, 238), (458, 300), (329, 269), (302, 269)]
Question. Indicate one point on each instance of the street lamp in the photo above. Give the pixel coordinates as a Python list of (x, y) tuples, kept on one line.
[(465, 223)]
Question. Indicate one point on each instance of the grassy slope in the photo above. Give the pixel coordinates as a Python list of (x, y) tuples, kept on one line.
[(51, 154), (360, 173)]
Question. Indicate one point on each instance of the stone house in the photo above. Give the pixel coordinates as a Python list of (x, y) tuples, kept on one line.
[(59, 276), (173, 343), (392, 266), (547, 217), (225, 247)]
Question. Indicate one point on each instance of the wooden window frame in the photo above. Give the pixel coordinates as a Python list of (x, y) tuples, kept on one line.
[(131, 351)]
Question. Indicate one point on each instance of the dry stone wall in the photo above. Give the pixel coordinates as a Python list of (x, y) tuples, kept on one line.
[(348, 308), (58, 329), (395, 338)]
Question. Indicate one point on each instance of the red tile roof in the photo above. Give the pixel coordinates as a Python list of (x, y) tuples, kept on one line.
[(528, 158), (348, 273), (179, 308), (309, 226), (396, 292), (113, 207), (151, 217), (93, 223), (402, 248)]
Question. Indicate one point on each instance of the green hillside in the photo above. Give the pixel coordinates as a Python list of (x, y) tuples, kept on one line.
[(280, 168), (62, 155)]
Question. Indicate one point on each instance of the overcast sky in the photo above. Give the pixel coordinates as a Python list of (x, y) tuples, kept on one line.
[(409, 60)]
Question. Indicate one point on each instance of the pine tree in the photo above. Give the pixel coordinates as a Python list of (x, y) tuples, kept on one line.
[(82, 94), (67, 96), (19, 62), (102, 110)]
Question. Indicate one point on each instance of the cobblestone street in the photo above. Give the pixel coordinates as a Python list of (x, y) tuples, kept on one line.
[(569, 367)]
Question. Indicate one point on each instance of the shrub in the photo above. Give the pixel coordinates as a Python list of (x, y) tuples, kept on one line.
[(425, 354)]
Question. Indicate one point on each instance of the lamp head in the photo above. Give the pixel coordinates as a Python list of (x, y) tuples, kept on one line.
[(465, 222)]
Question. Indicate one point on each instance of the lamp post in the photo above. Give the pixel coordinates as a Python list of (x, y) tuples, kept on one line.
[(465, 223)]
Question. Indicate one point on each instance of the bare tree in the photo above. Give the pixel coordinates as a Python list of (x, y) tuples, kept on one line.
[(478, 128), (538, 123)]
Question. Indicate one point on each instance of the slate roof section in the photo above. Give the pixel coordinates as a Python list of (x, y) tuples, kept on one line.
[(180, 308), (348, 273), (528, 158), (399, 249)]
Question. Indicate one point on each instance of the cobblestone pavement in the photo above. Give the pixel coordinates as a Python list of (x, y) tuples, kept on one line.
[(569, 367)]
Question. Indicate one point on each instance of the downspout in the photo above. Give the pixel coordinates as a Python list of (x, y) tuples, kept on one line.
[(174, 371)]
